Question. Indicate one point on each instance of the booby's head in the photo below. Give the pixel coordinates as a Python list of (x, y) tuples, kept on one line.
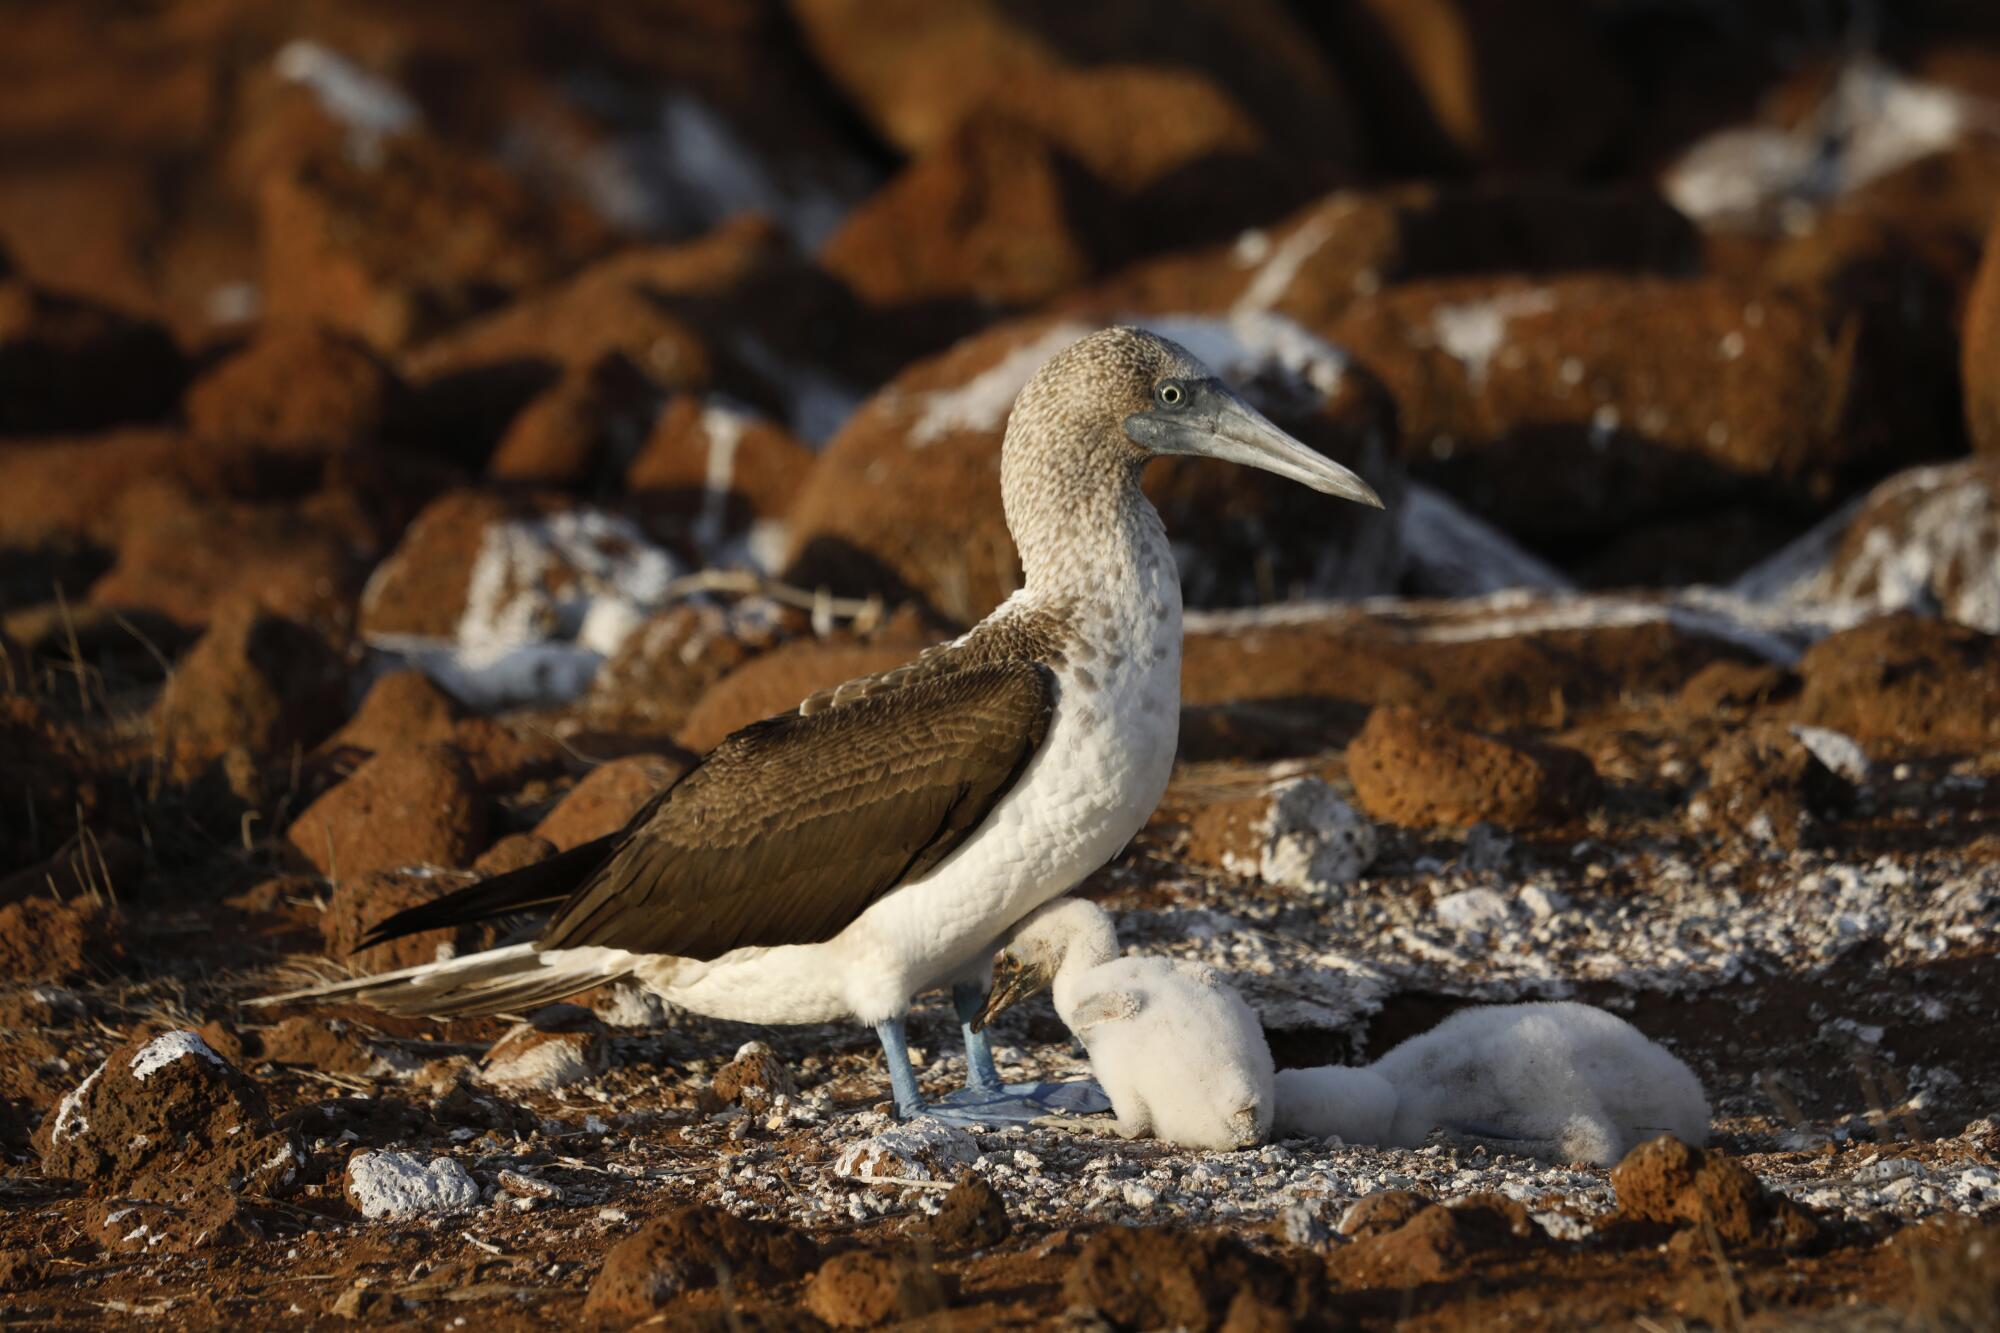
[(1068, 931), (1150, 397)]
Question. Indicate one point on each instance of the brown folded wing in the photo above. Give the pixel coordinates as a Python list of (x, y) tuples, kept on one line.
[(790, 828)]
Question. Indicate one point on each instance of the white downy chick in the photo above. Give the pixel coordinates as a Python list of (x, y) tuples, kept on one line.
[(1560, 1080), (1174, 1046), (1356, 1106)]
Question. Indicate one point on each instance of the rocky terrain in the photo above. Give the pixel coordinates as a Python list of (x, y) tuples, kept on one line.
[(424, 430)]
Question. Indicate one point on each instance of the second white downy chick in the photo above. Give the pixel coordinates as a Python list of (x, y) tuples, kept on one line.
[(1174, 1046), (1559, 1079), (1356, 1106)]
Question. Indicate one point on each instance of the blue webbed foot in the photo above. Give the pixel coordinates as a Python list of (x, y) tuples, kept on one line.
[(1020, 1103)]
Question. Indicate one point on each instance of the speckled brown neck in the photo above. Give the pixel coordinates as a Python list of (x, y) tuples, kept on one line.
[(1069, 474)]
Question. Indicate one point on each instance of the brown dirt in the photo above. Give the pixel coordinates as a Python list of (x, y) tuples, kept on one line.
[(917, 71), (397, 253), (685, 1250), (972, 1217), (1412, 770), (402, 708), (295, 386), (1021, 207), (608, 796), (1982, 352), (1540, 678), (255, 681), (70, 364), (421, 587), (1662, 421), (1380, 1213), (1669, 1183), (1732, 687), (45, 940), (167, 1127), (1908, 680), (1435, 1243), (513, 852), (1454, 83), (868, 1288), (328, 1045), (358, 902), (1145, 1277), (654, 681), (109, 865), (576, 429), (753, 1080), (1764, 783), (669, 476), (1367, 238), (409, 807)]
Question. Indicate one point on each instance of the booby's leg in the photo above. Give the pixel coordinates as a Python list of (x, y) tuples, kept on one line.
[(985, 1100), (902, 1079), (980, 1075)]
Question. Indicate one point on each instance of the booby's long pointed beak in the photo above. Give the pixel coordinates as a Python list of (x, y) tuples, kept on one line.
[(1221, 425), (1012, 983)]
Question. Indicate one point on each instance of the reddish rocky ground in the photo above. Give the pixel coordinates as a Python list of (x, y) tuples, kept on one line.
[(423, 432)]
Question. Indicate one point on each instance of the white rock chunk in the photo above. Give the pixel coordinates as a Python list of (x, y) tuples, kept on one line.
[(1473, 909), (528, 1060), (1837, 750), (1874, 120), (548, 599), (162, 1051), (1314, 841), (1926, 539), (391, 1186), (919, 1149)]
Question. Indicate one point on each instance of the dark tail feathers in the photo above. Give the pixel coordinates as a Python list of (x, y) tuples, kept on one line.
[(543, 884)]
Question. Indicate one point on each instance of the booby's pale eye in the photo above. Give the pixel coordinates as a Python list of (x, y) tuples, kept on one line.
[(1171, 395)]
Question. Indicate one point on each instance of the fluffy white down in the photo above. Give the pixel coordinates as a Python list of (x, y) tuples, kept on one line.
[(1178, 1052), (1565, 1079), (1355, 1106)]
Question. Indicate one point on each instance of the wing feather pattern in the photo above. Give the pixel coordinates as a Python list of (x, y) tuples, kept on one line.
[(792, 827)]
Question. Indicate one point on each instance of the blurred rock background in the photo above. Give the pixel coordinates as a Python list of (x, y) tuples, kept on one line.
[(406, 410), (426, 428)]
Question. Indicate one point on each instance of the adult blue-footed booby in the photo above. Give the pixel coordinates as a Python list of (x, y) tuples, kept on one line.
[(875, 843)]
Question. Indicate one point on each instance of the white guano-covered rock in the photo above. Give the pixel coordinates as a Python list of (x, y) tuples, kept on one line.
[(392, 1186), (1313, 840), (527, 1059), (158, 1053), (1925, 540), (1473, 909), (920, 1149)]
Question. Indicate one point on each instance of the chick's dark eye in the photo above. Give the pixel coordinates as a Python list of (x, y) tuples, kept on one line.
[(1170, 394)]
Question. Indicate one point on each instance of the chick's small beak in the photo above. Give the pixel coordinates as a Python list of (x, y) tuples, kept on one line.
[(1218, 424), (1013, 982)]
